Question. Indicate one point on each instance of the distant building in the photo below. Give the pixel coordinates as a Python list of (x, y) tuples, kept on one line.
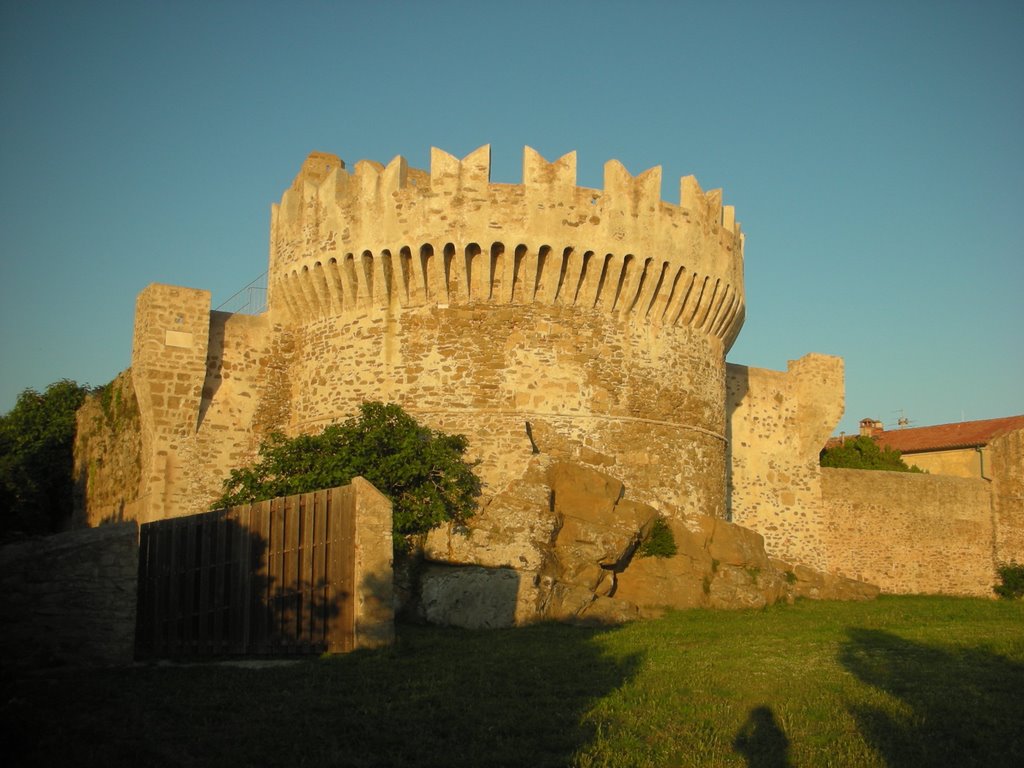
[(963, 449)]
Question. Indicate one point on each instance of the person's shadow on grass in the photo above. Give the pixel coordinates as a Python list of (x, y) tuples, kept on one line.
[(761, 741)]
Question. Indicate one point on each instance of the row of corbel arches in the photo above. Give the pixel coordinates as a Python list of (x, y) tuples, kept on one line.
[(651, 289)]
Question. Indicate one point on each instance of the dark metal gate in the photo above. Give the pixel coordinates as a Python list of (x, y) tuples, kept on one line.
[(275, 577)]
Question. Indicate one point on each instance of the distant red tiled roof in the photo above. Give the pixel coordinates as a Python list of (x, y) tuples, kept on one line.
[(943, 437)]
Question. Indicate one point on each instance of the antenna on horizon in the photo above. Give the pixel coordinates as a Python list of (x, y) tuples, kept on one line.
[(902, 422)]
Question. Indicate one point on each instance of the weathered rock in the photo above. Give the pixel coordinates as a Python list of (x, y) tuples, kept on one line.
[(669, 582), (731, 544), (511, 531), (608, 610), (582, 492), (735, 586), (562, 544), (596, 527), (567, 601), (824, 586)]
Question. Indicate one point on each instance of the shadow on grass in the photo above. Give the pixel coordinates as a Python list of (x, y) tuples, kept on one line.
[(438, 697), (761, 741), (964, 704)]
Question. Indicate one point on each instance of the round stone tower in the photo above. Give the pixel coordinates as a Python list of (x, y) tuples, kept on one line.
[(536, 317)]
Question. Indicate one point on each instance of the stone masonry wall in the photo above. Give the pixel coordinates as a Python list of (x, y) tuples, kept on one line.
[(778, 422), (238, 364), (169, 360), (1005, 456), (909, 533), (108, 455), (645, 404), (70, 598), (199, 379)]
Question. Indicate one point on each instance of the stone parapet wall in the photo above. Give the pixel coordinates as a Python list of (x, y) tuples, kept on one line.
[(396, 237), (70, 598), (778, 421), (1005, 468), (909, 533)]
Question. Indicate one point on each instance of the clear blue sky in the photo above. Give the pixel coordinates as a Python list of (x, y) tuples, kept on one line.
[(874, 152)]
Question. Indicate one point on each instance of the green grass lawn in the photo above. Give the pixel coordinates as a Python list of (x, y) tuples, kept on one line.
[(909, 681)]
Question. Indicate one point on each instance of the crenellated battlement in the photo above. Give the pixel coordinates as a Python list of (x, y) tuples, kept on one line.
[(388, 237)]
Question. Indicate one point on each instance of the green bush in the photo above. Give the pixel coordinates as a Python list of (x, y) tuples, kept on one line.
[(862, 452), (421, 470), (659, 542), (1011, 578)]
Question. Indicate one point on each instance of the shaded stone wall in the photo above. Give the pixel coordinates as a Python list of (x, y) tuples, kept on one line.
[(238, 366), (198, 378), (909, 533), (70, 598)]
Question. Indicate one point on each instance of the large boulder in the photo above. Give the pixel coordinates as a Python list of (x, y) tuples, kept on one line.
[(597, 530), (716, 565), (808, 583), (565, 544)]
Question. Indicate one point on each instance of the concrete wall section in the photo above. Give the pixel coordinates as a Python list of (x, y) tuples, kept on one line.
[(909, 533), (70, 598)]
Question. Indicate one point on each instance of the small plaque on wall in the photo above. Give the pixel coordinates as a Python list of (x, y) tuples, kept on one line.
[(178, 339)]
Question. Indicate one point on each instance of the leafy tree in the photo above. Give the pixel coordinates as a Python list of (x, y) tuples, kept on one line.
[(421, 470), (36, 457), (862, 452)]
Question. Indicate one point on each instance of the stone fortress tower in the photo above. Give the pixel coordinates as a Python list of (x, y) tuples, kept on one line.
[(583, 323)]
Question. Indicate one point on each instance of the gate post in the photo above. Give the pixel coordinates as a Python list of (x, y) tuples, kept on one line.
[(374, 556)]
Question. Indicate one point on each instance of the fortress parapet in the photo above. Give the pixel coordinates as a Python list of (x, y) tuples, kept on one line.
[(393, 236)]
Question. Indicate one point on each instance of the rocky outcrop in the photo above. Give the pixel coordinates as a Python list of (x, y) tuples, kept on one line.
[(564, 544)]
